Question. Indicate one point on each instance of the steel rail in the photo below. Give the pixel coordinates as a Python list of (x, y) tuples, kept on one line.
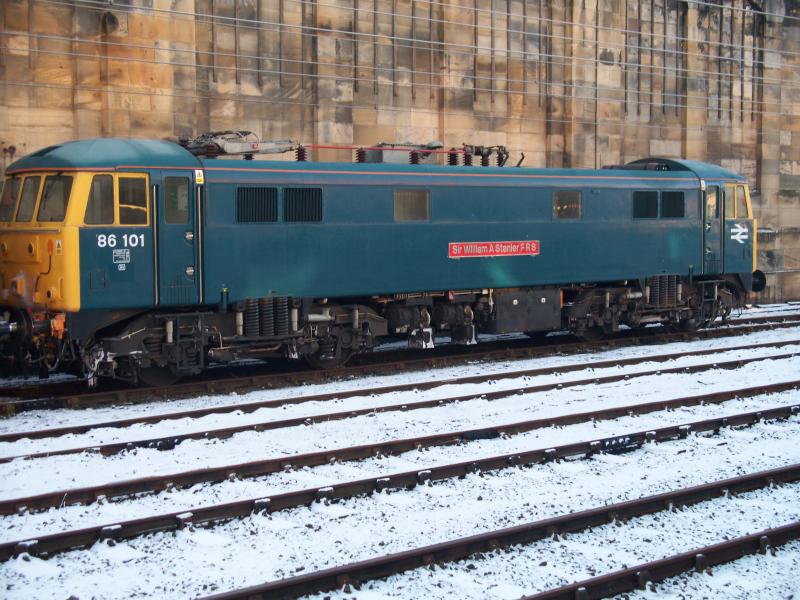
[(450, 551), (699, 559), (169, 442), (69, 540), (380, 363), (153, 484), (249, 407)]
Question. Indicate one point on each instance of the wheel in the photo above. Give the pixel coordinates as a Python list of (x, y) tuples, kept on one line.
[(334, 354), (157, 377), (691, 325), (592, 334)]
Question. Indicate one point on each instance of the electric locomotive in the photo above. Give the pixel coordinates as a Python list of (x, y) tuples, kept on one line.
[(146, 260)]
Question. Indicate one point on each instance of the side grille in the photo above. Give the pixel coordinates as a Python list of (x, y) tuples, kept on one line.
[(302, 205), (256, 205)]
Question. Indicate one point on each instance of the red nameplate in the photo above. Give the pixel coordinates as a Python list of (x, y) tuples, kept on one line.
[(488, 249)]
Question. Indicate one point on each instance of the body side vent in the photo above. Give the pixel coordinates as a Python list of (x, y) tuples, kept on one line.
[(256, 205), (302, 205)]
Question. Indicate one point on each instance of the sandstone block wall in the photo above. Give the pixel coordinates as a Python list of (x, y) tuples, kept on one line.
[(580, 83)]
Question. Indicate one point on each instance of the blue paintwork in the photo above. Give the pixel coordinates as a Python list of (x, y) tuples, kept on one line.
[(176, 287), (738, 254), (358, 249), (106, 153), (103, 284)]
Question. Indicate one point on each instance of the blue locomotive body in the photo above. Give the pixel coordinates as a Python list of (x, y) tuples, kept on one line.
[(184, 260), (355, 244)]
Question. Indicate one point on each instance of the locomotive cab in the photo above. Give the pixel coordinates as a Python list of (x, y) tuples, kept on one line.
[(729, 232), (78, 249), (39, 271)]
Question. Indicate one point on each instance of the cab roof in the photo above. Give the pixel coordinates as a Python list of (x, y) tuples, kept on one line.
[(106, 153), (701, 169)]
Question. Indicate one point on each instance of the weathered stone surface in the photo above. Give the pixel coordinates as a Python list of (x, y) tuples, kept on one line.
[(543, 80)]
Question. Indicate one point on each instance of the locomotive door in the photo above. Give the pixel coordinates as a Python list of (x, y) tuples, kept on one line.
[(176, 222), (712, 230)]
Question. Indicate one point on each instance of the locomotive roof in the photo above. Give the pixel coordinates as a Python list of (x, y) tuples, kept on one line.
[(701, 169), (105, 153), (110, 153), (677, 170)]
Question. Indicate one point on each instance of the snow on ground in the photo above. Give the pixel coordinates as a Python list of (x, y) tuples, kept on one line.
[(27, 477), (743, 579), (546, 564), (16, 527), (350, 399), (28, 421), (259, 548)]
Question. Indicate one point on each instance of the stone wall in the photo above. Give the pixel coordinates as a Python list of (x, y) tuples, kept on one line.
[(580, 83)]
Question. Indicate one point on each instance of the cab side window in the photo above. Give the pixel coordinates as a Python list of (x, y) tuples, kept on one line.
[(741, 203), (730, 201), (27, 202), (132, 201), (100, 208), (8, 201), (712, 207), (176, 200)]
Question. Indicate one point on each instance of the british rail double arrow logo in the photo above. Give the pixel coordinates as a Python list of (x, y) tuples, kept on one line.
[(739, 233)]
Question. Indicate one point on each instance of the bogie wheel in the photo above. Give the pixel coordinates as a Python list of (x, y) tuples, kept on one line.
[(691, 325), (157, 377), (334, 357), (592, 334)]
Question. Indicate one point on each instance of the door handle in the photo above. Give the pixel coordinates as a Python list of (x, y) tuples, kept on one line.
[(708, 226), (708, 251), (189, 236), (189, 271)]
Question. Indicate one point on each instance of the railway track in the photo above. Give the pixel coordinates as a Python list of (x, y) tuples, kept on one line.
[(170, 441), (73, 394), (260, 468), (698, 559), (354, 574), (249, 407), (48, 544), (204, 507)]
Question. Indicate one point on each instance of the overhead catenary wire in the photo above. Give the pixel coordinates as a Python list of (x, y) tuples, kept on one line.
[(750, 8), (257, 24), (370, 106), (682, 71), (741, 100), (586, 25), (528, 56), (591, 87)]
